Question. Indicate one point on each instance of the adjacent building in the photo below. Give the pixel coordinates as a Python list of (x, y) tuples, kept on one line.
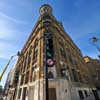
[(9, 82), (94, 68), (51, 66), (1, 92)]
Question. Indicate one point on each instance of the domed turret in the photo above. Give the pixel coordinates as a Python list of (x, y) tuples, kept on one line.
[(45, 9)]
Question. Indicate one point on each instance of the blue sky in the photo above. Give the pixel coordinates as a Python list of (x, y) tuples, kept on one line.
[(80, 18)]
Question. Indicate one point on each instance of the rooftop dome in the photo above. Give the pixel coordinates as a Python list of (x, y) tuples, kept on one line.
[(45, 9)]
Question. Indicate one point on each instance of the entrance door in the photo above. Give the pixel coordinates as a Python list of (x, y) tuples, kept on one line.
[(24, 93), (52, 94), (31, 93)]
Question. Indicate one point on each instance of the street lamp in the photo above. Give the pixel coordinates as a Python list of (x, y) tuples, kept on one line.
[(94, 41)]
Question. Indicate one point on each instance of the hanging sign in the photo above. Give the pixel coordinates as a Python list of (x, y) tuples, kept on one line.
[(50, 62)]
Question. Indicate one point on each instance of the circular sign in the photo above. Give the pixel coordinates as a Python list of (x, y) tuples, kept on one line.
[(50, 62)]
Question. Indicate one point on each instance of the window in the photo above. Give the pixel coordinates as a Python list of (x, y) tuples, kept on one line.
[(46, 17), (67, 52), (16, 77), (50, 75), (62, 52), (70, 59), (27, 77), (81, 95), (63, 72), (79, 76), (29, 56), (21, 66), (74, 72), (49, 50), (49, 47), (35, 52), (24, 93), (24, 65), (32, 75), (52, 94), (46, 23), (74, 61), (60, 42), (19, 93), (22, 79)]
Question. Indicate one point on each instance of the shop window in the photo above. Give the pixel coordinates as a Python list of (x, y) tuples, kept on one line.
[(50, 75), (86, 94), (81, 95)]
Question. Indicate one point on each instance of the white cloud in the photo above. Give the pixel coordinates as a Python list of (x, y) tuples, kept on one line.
[(12, 19), (7, 50), (8, 34)]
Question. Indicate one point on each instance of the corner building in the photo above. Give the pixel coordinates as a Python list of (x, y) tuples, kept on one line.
[(50, 65)]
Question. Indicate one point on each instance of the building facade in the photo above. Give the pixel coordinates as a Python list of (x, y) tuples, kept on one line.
[(1, 92), (94, 68), (9, 82), (51, 66)]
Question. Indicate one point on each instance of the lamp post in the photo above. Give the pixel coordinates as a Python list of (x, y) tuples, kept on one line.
[(94, 41)]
